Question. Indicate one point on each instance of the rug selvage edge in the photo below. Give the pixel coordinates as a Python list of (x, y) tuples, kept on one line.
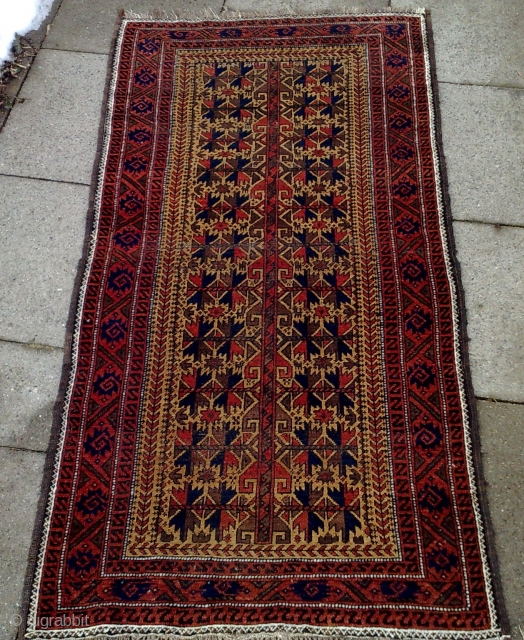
[(474, 431), (74, 315)]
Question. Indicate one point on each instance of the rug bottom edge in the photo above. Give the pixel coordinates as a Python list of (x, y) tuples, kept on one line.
[(246, 633)]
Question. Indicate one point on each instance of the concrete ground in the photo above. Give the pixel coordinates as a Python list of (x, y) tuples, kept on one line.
[(47, 150)]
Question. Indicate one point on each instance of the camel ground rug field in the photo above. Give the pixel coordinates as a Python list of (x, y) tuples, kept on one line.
[(268, 428)]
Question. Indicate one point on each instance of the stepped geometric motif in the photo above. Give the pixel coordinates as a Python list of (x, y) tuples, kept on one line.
[(270, 434)]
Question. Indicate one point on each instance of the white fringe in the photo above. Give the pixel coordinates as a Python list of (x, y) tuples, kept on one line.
[(210, 15), (260, 632)]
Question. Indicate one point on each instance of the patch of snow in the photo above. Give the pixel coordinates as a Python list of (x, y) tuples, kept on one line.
[(19, 16)]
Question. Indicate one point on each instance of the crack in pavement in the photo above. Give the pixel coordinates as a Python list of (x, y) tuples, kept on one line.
[(32, 345)]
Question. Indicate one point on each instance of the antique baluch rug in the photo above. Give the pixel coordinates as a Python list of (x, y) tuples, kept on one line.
[(267, 430)]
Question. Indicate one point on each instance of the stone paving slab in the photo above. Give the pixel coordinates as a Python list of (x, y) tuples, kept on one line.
[(29, 380), (492, 261), (90, 25), (20, 482), (476, 42), (42, 233), (502, 434), (303, 7), (53, 134), (483, 135), (35, 38)]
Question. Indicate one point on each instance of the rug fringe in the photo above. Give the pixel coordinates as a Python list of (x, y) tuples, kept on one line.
[(210, 15), (384, 634)]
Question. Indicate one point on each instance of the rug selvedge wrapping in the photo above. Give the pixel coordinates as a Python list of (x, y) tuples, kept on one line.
[(266, 429)]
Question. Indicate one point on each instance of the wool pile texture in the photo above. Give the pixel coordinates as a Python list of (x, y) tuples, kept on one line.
[(267, 428)]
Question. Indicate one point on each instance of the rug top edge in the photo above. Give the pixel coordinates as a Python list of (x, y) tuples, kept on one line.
[(209, 15)]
